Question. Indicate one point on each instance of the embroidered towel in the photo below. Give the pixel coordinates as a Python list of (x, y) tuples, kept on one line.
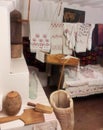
[(83, 31), (66, 49), (69, 33), (39, 36), (56, 34), (41, 10)]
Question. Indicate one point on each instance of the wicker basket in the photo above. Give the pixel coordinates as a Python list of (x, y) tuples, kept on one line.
[(16, 50), (63, 108), (12, 103)]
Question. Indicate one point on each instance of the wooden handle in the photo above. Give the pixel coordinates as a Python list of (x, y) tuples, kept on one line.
[(31, 104), (9, 118)]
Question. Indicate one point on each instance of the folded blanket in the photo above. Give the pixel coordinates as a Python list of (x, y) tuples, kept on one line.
[(77, 83), (89, 75)]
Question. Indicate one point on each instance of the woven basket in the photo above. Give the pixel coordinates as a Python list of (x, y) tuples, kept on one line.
[(16, 50), (12, 103), (63, 108)]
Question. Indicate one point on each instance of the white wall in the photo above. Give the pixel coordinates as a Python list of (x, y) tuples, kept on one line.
[(4, 45), (47, 12), (93, 15)]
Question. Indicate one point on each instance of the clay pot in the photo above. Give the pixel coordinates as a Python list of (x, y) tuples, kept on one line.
[(12, 103)]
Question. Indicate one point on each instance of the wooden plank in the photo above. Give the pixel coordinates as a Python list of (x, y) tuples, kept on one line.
[(59, 59), (29, 116)]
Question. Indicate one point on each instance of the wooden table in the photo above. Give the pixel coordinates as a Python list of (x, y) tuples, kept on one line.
[(59, 61)]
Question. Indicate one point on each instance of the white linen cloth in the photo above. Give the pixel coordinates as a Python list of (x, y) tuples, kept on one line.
[(66, 49), (39, 36), (92, 74), (83, 32), (73, 77), (89, 75), (42, 10), (45, 10), (69, 32), (78, 36), (56, 34)]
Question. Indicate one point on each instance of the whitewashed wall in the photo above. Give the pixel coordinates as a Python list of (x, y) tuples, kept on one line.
[(47, 10)]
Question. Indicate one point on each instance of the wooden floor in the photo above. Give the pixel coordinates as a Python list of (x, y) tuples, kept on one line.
[(88, 111)]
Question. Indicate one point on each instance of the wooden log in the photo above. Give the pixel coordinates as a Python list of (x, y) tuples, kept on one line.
[(16, 27), (16, 34)]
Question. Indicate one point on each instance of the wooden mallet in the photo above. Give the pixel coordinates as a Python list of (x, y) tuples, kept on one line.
[(41, 108)]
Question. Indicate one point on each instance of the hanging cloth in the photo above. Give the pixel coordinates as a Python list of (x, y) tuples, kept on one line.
[(56, 31), (89, 45), (66, 49), (69, 33), (83, 31), (56, 34), (39, 36)]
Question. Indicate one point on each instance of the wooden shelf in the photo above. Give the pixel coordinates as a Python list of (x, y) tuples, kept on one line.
[(59, 59)]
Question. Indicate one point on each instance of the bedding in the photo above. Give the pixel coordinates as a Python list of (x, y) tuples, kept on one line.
[(83, 81)]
